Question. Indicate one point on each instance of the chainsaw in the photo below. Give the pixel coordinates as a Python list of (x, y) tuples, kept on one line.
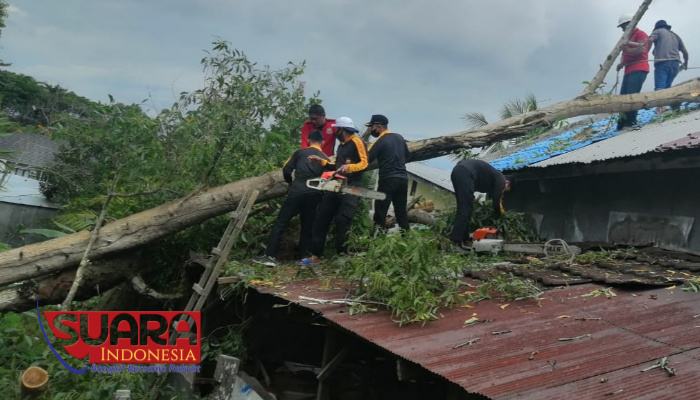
[(332, 181), (486, 240)]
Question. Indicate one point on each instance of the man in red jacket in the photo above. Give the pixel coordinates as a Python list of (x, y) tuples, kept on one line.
[(318, 121), (636, 64)]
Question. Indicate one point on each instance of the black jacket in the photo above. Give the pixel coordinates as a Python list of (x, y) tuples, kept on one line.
[(487, 179), (351, 152), (303, 169), (391, 152)]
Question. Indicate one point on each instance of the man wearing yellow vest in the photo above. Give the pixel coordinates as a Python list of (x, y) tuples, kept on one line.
[(390, 152)]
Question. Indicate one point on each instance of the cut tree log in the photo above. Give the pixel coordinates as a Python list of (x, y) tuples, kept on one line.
[(62, 253), (33, 382)]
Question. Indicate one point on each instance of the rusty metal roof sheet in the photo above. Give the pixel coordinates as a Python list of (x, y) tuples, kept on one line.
[(689, 141), (634, 331)]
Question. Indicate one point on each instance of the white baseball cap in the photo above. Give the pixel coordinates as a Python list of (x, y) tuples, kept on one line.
[(345, 123)]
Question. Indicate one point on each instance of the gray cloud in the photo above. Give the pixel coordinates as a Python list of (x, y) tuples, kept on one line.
[(423, 64)]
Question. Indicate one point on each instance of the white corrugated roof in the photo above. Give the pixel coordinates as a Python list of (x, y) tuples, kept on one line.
[(20, 190), (631, 143), (437, 176)]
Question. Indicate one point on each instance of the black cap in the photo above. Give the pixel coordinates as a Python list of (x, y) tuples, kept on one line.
[(377, 119), (661, 24)]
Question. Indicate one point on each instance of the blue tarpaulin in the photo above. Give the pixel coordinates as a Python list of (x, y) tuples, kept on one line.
[(571, 140)]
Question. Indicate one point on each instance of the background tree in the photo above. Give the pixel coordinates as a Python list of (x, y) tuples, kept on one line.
[(244, 122), (37, 105), (510, 109)]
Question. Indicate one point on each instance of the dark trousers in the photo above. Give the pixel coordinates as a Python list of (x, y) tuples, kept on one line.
[(305, 205), (336, 207), (463, 182), (631, 83), (396, 190)]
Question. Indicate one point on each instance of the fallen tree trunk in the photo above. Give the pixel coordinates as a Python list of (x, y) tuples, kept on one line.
[(98, 279), (523, 123), (62, 253)]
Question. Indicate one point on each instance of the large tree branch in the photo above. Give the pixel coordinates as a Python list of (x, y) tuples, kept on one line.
[(521, 124)]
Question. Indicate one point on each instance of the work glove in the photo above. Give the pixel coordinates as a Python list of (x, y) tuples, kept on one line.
[(685, 65)]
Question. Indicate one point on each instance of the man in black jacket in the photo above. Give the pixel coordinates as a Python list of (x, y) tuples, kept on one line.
[(470, 176), (391, 152), (301, 199), (351, 161)]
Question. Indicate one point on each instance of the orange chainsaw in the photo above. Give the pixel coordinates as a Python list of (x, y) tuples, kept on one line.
[(332, 181), (485, 240)]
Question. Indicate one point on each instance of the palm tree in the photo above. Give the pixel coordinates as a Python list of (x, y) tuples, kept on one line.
[(518, 106), (476, 120)]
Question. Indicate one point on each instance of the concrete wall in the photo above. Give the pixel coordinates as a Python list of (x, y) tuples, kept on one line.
[(442, 198), (657, 205)]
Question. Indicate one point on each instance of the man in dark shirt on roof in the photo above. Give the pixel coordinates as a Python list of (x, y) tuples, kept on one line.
[(390, 152), (301, 199), (351, 161), (470, 176), (318, 121)]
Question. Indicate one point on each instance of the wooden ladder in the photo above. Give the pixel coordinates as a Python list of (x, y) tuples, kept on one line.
[(219, 256)]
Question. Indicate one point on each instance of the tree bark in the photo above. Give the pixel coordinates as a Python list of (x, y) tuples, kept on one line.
[(62, 253), (98, 278)]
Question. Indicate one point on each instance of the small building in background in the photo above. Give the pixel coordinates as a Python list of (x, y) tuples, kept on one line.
[(24, 158), (431, 184)]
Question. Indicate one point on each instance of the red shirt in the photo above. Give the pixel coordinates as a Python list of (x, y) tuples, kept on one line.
[(636, 62), (328, 135)]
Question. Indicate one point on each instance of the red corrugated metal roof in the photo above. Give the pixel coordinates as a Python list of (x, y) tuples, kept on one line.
[(691, 140), (634, 331)]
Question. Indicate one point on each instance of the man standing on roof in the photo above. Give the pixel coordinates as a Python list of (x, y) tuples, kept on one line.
[(351, 161), (636, 64), (667, 48), (318, 121), (470, 176), (300, 200), (390, 152)]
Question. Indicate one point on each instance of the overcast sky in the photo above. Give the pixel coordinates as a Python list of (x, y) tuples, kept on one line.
[(423, 64)]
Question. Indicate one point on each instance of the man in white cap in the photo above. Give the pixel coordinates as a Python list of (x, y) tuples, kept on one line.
[(634, 61), (351, 161)]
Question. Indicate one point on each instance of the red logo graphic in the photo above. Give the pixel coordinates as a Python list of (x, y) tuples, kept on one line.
[(130, 337)]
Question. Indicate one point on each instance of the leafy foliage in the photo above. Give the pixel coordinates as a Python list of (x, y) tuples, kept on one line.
[(409, 273), (512, 226), (518, 106), (39, 106)]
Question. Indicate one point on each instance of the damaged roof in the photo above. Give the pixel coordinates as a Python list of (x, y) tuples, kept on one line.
[(601, 141), (575, 341)]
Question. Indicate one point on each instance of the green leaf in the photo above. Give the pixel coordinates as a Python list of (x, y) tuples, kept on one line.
[(49, 233)]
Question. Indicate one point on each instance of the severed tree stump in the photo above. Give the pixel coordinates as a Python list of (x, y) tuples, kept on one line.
[(33, 381)]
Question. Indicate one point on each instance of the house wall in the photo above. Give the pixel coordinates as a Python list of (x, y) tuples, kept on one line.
[(442, 198), (579, 208), (20, 216)]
